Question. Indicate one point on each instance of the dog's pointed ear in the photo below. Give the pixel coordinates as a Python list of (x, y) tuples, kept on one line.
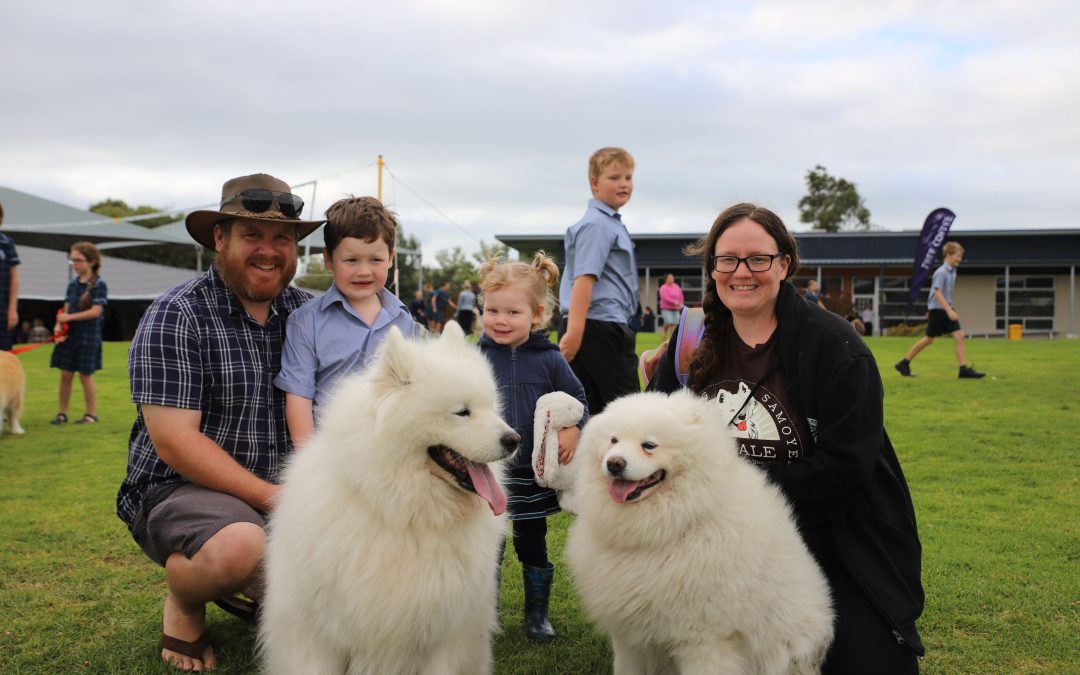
[(452, 332), (391, 367)]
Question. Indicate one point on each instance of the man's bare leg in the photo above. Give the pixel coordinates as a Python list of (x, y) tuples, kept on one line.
[(228, 562)]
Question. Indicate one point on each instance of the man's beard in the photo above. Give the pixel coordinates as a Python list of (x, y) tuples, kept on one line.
[(234, 272)]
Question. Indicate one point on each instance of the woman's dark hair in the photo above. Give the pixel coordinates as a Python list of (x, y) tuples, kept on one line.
[(705, 358)]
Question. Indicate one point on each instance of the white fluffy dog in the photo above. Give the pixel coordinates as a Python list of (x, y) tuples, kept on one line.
[(382, 551), (684, 553)]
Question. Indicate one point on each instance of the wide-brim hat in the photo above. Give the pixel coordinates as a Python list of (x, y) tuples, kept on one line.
[(200, 224)]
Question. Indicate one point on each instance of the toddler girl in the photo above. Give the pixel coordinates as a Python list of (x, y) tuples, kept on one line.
[(517, 304)]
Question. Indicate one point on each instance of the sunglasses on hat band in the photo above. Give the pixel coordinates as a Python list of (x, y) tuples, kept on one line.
[(259, 200)]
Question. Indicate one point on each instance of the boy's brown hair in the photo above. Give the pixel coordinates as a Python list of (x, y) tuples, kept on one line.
[(360, 217), (604, 157), (952, 247)]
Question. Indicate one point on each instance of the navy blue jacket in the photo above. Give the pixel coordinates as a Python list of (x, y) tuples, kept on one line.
[(525, 373)]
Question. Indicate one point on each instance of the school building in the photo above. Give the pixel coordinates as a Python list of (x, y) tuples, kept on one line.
[(1021, 277)]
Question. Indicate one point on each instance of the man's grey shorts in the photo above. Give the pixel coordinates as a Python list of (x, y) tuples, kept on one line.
[(185, 518)]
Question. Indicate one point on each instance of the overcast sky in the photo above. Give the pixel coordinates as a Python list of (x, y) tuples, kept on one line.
[(486, 111)]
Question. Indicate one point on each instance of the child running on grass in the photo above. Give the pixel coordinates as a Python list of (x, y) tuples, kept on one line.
[(517, 305), (942, 317)]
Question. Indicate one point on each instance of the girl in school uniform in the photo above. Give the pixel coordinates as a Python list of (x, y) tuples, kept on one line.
[(80, 350)]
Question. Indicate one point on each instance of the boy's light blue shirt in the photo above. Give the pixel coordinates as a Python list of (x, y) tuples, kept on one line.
[(600, 245), (945, 279), (466, 301), (326, 338)]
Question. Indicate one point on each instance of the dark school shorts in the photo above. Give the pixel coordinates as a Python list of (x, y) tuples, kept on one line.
[(186, 518), (938, 323), (606, 363)]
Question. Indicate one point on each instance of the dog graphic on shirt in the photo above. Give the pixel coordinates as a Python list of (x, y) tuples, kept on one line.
[(748, 418)]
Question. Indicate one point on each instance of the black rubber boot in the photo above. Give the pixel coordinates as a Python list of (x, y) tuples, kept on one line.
[(537, 591)]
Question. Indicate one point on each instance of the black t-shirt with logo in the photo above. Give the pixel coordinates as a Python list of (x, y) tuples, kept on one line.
[(765, 425)]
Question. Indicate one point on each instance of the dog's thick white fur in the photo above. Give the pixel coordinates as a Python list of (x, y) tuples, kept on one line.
[(382, 560), (12, 392), (683, 552)]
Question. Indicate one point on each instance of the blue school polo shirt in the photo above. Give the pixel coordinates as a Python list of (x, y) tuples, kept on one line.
[(945, 279), (326, 339), (599, 245)]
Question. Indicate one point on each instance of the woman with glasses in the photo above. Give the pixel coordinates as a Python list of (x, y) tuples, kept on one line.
[(803, 398), (80, 350)]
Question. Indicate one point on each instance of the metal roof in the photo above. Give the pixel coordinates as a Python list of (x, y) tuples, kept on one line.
[(44, 275), (982, 248), (35, 221)]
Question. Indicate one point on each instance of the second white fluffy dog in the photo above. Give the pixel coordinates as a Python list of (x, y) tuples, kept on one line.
[(684, 553)]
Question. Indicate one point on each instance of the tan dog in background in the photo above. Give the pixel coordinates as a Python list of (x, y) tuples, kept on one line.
[(12, 392)]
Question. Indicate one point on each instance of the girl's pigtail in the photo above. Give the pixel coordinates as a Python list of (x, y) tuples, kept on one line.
[(546, 267)]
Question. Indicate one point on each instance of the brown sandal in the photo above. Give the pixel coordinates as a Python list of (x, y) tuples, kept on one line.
[(194, 650), (87, 419)]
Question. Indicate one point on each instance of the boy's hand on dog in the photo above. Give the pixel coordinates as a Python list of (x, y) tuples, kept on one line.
[(568, 440)]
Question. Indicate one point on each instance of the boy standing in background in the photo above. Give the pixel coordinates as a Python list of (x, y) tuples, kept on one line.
[(599, 289), (9, 288)]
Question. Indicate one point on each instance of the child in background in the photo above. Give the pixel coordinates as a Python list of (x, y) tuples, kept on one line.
[(338, 333), (84, 305), (9, 288), (517, 304), (599, 291), (942, 317)]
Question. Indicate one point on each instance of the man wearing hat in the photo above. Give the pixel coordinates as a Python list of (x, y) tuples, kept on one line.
[(210, 440)]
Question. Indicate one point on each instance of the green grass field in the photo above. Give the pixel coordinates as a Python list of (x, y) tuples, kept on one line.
[(992, 465)]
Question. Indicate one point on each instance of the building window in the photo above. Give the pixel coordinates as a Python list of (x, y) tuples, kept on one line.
[(862, 286), (1031, 303), (862, 294), (831, 290), (692, 290), (894, 297)]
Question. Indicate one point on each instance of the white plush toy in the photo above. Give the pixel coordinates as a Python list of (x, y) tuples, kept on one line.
[(554, 411)]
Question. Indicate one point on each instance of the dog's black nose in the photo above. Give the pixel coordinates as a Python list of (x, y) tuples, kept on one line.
[(509, 441), (616, 465)]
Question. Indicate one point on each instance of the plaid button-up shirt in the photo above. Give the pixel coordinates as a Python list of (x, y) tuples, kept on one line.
[(196, 348)]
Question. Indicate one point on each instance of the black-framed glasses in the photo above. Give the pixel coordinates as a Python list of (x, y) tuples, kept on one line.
[(258, 200), (754, 263)]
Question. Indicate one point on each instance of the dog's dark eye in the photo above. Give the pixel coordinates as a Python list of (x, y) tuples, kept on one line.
[(464, 412), (648, 445), (614, 440)]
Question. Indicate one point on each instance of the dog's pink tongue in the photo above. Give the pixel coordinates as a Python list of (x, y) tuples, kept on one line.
[(487, 487), (620, 489)]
